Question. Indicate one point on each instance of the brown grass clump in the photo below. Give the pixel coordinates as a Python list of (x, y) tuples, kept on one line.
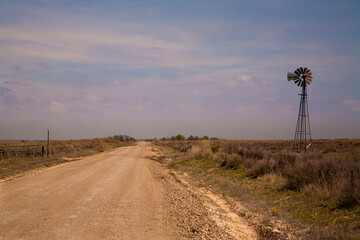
[(59, 152), (331, 171), (200, 149), (316, 193)]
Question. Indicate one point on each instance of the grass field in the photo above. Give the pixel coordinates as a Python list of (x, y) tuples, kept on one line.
[(312, 195), (60, 152)]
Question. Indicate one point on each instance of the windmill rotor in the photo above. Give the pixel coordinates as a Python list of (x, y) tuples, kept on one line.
[(301, 76)]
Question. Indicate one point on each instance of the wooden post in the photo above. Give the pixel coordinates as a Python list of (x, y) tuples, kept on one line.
[(48, 140)]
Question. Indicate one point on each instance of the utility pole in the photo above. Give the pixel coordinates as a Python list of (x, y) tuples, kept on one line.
[(48, 142)]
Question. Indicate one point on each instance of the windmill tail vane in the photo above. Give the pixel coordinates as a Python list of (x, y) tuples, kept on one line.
[(302, 77)]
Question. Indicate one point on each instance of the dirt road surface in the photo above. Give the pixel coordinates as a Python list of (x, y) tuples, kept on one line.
[(120, 194)]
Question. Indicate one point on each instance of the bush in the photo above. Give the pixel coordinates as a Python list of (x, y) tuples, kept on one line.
[(122, 138), (191, 137), (347, 190), (200, 149), (178, 137), (325, 174), (215, 148)]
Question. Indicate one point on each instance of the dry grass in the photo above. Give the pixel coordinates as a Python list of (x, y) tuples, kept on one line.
[(319, 189), (60, 150), (331, 171)]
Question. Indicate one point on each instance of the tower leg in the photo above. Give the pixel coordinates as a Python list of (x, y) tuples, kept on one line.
[(302, 139)]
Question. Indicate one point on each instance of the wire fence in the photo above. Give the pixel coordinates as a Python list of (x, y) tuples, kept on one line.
[(22, 151)]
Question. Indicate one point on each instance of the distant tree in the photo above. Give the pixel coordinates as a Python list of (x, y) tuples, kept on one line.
[(214, 138), (122, 138), (196, 138), (205, 138), (163, 139), (179, 137), (191, 137)]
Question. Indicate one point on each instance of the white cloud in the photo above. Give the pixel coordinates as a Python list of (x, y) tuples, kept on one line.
[(57, 107), (136, 48), (77, 40), (229, 77), (245, 78)]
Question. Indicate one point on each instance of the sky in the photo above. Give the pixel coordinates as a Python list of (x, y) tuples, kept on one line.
[(155, 68)]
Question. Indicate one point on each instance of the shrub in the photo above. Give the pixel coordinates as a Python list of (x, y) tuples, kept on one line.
[(178, 137), (346, 191), (122, 138), (200, 149), (191, 137), (233, 161), (215, 148), (324, 173)]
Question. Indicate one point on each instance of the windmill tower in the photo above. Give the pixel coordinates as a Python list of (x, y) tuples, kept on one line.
[(302, 140)]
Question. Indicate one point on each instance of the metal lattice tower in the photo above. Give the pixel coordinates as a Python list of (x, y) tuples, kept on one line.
[(302, 140)]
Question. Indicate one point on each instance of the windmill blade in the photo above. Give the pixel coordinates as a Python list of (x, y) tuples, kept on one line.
[(308, 73), (297, 71), (302, 70)]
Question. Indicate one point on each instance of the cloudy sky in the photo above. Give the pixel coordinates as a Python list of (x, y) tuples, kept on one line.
[(87, 69)]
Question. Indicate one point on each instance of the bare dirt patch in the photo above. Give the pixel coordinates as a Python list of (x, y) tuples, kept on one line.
[(212, 216)]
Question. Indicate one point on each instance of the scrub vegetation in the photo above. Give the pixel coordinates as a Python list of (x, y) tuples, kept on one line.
[(181, 137), (60, 152), (318, 192)]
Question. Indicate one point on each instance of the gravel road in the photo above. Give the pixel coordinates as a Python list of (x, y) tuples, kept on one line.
[(120, 194)]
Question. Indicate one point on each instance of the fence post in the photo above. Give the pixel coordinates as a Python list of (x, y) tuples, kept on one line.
[(47, 148)]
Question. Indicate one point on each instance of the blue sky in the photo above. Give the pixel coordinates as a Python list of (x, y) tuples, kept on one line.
[(87, 69)]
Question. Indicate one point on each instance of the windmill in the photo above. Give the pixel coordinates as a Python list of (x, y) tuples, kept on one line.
[(302, 140)]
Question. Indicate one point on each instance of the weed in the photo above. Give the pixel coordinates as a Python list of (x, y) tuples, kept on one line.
[(320, 188)]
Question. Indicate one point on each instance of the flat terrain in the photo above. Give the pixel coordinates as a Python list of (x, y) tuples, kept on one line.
[(119, 194)]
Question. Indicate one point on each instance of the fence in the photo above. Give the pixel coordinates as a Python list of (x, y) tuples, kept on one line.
[(21, 151)]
